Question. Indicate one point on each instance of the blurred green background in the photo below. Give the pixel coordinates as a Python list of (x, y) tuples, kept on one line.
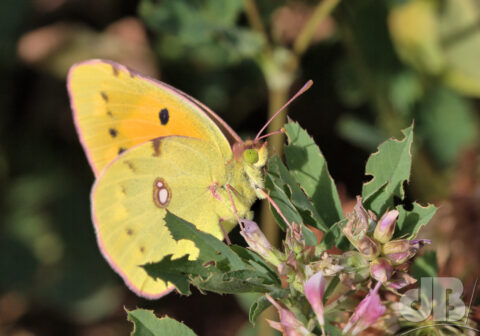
[(377, 66)]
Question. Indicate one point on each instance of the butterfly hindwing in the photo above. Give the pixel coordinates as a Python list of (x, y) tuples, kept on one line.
[(130, 200), (116, 108)]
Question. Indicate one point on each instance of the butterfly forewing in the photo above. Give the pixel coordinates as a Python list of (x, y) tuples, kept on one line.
[(116, 109)]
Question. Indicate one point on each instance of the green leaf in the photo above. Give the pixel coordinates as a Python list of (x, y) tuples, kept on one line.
[(390, 168), (262, 303), (176, 271), (444, 133), (211, 249), (242, 281), (425, 266), (147, 324), (292, 193), (458, 21), (332, 329), (279, 196), (410, 222), (309, 168), (291, 200), (202, 31), (257, 262), (359, 133), (334, 237)]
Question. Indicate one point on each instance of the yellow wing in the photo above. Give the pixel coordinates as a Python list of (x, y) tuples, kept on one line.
[(130, 198), (116, 109)]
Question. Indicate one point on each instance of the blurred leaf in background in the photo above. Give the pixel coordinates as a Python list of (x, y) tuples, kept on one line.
[(440, 38), (408, 61)]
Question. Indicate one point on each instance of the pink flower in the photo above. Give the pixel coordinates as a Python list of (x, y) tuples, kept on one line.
[(314, 289), (367, 312), (288, 325)]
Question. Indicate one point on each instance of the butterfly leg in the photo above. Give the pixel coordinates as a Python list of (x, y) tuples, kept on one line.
[(225, 234), (272, 202), (229, 191)]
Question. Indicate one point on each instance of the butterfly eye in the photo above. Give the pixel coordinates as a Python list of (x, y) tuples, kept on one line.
[(251, 156)]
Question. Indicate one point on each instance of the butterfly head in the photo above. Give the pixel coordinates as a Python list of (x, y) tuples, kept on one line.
[(251, 153), (252, 156)]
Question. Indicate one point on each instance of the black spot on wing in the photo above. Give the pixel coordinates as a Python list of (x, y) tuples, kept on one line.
[(104, 96), (156, 146), (131, 166), (113, 132), (115, 71), (129, 232), (163, 115), (121, 150)]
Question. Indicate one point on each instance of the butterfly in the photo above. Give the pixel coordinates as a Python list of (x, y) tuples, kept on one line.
[(153, 148)]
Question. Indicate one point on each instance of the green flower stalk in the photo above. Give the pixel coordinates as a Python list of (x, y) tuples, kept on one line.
[(356, 267)]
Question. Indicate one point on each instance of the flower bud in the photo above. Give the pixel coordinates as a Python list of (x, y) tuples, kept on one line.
[(368, 247), (314, 289), (386, 227), (294, 238), (257, 241), (417, 244), (400, 280), (397, 251), (381, 270), (357, 225), (361, 213)]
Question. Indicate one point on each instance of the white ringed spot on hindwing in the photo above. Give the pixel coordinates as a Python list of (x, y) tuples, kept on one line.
[(161, 193)]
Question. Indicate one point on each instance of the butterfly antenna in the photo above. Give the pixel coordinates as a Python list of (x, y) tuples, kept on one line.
[(272, 202), (302, 90), (281, 130)]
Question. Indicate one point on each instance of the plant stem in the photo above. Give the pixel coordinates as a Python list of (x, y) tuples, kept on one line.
[(277, 97), (255, 19), (321, 12)]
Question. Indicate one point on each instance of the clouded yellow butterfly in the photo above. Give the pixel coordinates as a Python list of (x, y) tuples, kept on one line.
[(152, 148)]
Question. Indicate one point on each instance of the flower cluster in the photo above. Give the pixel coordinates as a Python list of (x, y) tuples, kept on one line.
[(375, 262), (373, 240)]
